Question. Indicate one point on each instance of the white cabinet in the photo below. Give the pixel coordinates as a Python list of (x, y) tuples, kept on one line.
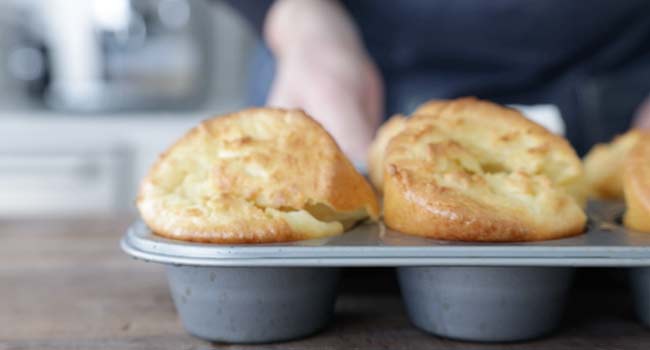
[(59, 181), (53, 164)]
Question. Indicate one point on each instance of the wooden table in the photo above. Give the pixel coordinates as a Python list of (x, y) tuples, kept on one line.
[(64, 284)]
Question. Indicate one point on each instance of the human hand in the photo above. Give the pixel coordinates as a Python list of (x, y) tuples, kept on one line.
[(322, 67), (642, 119)]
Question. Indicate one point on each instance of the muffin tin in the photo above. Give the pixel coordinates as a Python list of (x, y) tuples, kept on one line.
[(487, 292)]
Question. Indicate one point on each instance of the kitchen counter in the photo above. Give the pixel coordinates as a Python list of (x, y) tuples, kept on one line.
[(64, 284)]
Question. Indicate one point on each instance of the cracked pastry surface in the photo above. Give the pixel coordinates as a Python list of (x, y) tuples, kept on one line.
[(620, 170), (393, 126), (376, 153), (258, 175), (605, 162), (471, 170), (636, 186)]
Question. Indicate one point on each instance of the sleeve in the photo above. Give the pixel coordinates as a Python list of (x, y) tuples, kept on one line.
[(254, 11)]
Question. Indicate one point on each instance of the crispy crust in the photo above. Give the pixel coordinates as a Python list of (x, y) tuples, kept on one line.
[(475, 171), (604, 165), (431, 107), (636, 186), (386, 132), (258, 175)]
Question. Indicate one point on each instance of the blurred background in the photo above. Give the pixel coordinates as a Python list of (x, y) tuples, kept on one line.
[(92, 90)]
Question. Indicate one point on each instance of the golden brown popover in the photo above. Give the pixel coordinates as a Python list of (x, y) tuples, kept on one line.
[(386, 132), (393, 126), (472, 170), (258, 175), (636, 186), (605, 162)]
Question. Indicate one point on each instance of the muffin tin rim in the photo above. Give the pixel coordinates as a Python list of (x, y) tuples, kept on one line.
[(371, 244)]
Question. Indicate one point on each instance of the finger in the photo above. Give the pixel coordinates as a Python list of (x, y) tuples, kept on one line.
[(374, 97), (344, 117), (281, 95), (642, 119)]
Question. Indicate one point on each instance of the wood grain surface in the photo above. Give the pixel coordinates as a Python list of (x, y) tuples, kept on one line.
[(64, 284)]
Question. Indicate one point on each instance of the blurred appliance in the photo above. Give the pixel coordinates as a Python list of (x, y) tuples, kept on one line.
[(134, 65), (111, 55)]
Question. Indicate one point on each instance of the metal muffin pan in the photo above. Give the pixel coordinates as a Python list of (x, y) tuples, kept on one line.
[(472, 291), (252, 305), (486, 304)]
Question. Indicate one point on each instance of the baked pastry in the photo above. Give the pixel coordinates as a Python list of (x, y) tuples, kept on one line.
[(431, 107), (259, 175), (474, 171), (636, 186), (621, 170), (605, 162), (386, 132)]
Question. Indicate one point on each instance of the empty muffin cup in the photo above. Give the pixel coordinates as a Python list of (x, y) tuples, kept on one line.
[(640, 280), (253, 305), (485, 304)]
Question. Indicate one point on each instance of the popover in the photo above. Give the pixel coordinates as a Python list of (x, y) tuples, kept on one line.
[(472, 170), (258, 175)]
